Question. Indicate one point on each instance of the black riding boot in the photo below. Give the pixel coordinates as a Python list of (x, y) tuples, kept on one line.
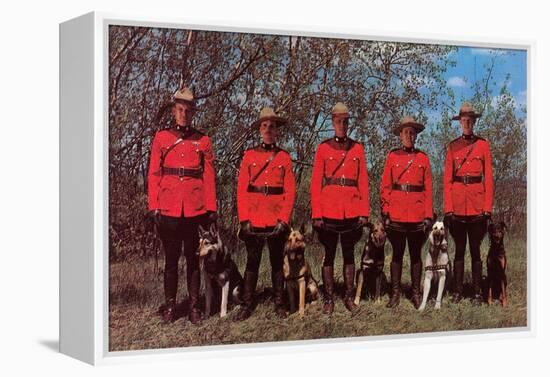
[(416, 274), (476, 282), (278, 282), (395, 270), (459, 281), (328, 284), (245, 310)]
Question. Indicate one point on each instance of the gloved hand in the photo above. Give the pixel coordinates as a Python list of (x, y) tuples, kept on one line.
[(245, 231), (318, 224), (153, 217), (386, 220), (427, 225), (363, 221), (448, 219), (280, 229), (488, 219), (212, 217)]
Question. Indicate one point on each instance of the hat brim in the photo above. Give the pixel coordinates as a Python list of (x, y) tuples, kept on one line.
[(417, 126), (192, 103), (472, 114), (279, 121)]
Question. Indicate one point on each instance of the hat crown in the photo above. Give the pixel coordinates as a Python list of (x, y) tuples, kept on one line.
[(340, 108), (267, 112), (408, 119), (184, 94), (466, 108)]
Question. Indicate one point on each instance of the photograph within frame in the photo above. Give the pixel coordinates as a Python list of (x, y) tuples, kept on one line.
[(232, 77)]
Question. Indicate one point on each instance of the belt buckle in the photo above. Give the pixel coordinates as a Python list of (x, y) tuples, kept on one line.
[(265, 190), (342, 181), (407, 187), (181, 172)]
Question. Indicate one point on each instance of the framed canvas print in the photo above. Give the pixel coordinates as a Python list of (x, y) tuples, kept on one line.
[(233, 188)]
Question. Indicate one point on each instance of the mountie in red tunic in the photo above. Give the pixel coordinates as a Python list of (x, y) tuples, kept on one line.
[(406, 187), (181, 173), (468, 177), (339, 181), (266, 187)]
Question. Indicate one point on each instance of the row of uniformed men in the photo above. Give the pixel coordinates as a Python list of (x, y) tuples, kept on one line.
[(182, 196)]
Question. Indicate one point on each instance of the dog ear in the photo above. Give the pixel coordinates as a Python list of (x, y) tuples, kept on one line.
[(503, 225), (434, 217), (213, 229), (491, 227), (303, 228), (370, 226), (201, 231)]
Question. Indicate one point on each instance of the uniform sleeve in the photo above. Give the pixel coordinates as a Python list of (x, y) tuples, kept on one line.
[(154, 174), (488, 180), (428, 189), (448, 182), (242, 193), (364, 184), (385, 186), (289, 191), (209, 177), (316, 184)]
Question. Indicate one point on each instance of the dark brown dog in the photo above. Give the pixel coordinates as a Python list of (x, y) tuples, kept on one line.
[(496, 264), (298, 273), (372, 264)]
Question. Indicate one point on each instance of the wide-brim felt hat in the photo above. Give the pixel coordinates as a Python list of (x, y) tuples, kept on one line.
[(267, 113), (467, 109), (408, 121), (185, 95), (340, 109)]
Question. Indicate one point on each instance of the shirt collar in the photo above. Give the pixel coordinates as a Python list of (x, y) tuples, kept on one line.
[(268, 147), (340, 139)]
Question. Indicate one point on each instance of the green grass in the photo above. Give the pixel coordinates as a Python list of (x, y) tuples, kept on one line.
[(136, 292)]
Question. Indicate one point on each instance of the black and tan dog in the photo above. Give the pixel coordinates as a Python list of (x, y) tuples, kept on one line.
[(496, 264), (299, 280), (370, 275), (220, 273)]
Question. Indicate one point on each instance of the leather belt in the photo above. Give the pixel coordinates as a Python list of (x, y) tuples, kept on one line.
[(340, 181), (183, 172), (266, 190), (468, 179), (407, 187)]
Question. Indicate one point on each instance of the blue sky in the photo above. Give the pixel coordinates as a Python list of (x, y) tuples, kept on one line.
[(471, 63)]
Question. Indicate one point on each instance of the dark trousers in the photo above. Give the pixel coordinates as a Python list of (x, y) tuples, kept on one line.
[(348, 233), (254, 246), (473, 227), (176, 232), (401, 234)]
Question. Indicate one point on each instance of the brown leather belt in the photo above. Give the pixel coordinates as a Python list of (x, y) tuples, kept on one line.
[(266, 190), (183, 172), (340, 181), (407, 187), (468, 179)]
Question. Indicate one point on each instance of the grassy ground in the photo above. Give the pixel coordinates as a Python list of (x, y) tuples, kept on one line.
[(136, 292)]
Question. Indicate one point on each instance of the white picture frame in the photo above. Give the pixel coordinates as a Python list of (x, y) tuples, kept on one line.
[(84, 194)]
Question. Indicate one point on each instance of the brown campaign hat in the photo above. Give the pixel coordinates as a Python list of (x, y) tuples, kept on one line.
[(267, 113), (408, 121), (467, 109), (340, 109), (185, 95)]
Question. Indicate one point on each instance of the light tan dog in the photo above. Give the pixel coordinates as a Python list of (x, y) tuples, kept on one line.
[(298, 273)]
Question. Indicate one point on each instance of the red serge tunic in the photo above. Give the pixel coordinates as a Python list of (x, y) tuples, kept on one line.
[(263, 209), (468, 177), (406, 187), (170, 189), (344, 198)]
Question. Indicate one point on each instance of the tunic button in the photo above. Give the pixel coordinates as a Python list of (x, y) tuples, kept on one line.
[(266, 172)]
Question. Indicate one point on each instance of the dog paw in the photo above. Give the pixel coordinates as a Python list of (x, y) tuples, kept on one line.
[(437, 305), (356, 301), (421, 308)]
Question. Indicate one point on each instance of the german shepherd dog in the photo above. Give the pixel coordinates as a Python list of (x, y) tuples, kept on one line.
[(438, 266), (220, 273), (370, 275), (297, 272), (496, 264)]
